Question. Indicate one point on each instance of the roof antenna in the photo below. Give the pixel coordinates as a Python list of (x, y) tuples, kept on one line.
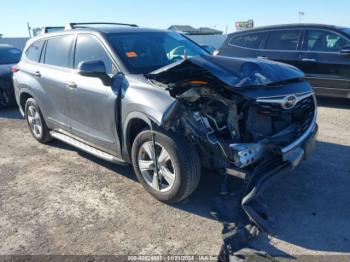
[(29, 30)]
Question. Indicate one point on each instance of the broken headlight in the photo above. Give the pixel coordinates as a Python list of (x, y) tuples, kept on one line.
[(247, 154)]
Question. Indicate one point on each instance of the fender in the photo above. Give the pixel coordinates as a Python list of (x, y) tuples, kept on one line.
[(149, 120), (27, 91)]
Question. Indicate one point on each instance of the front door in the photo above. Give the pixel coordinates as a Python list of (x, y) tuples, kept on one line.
[(325, 67), (93, 105)]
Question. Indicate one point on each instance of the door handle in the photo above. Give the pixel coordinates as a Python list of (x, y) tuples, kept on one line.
[(308, 60), (71, 84), (262, 57), (37, 74)]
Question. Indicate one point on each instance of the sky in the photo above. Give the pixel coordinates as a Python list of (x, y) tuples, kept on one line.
[(220, 14)]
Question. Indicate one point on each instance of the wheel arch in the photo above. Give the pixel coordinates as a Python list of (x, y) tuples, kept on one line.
[(23, 97), (134, 123)]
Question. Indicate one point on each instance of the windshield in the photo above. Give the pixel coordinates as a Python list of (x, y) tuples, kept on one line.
[(143, 52), (9, 55)]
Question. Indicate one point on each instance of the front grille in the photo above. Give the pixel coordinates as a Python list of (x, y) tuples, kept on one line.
[(278, 118)]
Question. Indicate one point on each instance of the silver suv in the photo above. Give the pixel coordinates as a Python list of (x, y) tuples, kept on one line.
[(157, 100)]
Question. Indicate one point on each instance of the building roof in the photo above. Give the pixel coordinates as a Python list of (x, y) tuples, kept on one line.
[(209, 31), (183, 28), (187, 29)]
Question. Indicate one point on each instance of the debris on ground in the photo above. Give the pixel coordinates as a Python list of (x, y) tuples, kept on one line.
[(238, 229)]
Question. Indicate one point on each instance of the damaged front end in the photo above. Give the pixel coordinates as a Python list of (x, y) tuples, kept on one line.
[(248, 118)]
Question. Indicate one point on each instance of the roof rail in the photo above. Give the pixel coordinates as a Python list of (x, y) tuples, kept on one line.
[(70, 26)]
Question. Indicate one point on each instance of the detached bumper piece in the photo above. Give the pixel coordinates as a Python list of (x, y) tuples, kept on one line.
[(257, 183), (267, 173)]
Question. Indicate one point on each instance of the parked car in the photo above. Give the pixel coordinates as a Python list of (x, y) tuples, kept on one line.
[(115, 92), (321, 51), (9, 56)]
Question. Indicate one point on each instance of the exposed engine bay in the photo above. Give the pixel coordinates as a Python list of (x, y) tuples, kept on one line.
[(229, 125), (251, 123)]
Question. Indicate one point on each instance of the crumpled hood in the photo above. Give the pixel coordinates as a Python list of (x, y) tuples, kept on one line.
[(234, 72), (5, 70)]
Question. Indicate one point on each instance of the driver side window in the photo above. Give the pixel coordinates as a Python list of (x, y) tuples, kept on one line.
[(174, 49), (89, 48), (324, 41)]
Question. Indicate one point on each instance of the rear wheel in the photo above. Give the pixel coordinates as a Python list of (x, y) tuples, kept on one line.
[(167, 165), (4, 98), (36, 122)]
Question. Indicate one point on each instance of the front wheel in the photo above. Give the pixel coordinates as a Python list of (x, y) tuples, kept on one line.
[(166, 165)]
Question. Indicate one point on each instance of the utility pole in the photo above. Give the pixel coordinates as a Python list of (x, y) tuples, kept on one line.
[(29, 30), (301, 14)]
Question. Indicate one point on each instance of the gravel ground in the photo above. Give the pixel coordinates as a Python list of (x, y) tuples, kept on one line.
[(55, 199)]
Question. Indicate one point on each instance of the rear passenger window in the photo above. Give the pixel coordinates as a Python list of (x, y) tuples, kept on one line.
[(89, 48), (283, 40), (34, 51), (248, 40), (58, 51)]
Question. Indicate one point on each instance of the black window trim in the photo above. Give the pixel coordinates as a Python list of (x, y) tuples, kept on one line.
[(263, 43), (97, 37), (301, 43), (64, 68), (303, 50), (248, 33)]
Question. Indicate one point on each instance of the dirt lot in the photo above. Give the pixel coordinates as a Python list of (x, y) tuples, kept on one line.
[(57, 200)]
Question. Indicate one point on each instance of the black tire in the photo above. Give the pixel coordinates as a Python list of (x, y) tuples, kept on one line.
[(5, 98), (44, 137), (185, 160)]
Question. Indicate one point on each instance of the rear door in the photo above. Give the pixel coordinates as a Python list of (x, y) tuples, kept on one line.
[(243, 44), (282, 45), (93, 105), (325, 67), (57, 67)]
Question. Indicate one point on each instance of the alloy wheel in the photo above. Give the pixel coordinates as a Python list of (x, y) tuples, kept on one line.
[(156, 166), (34, 121)]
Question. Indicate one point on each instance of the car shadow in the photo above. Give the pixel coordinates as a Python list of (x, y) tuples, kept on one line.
[(341, 103), (10, 113), (310, 204), (124, 170)]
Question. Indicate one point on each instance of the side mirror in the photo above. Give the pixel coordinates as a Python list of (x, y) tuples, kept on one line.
[(345, 51), (94, 68)]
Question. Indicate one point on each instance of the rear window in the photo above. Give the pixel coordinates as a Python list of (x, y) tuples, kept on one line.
[(248, 40), (58, 51), (347, 31), (34, 51), (324, 41), (283, 40), (9, 55)]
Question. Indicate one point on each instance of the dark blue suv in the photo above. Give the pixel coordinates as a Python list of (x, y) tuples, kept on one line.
[(321, 51)]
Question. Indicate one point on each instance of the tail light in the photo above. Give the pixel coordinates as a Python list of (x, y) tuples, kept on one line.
[(15, 69)]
